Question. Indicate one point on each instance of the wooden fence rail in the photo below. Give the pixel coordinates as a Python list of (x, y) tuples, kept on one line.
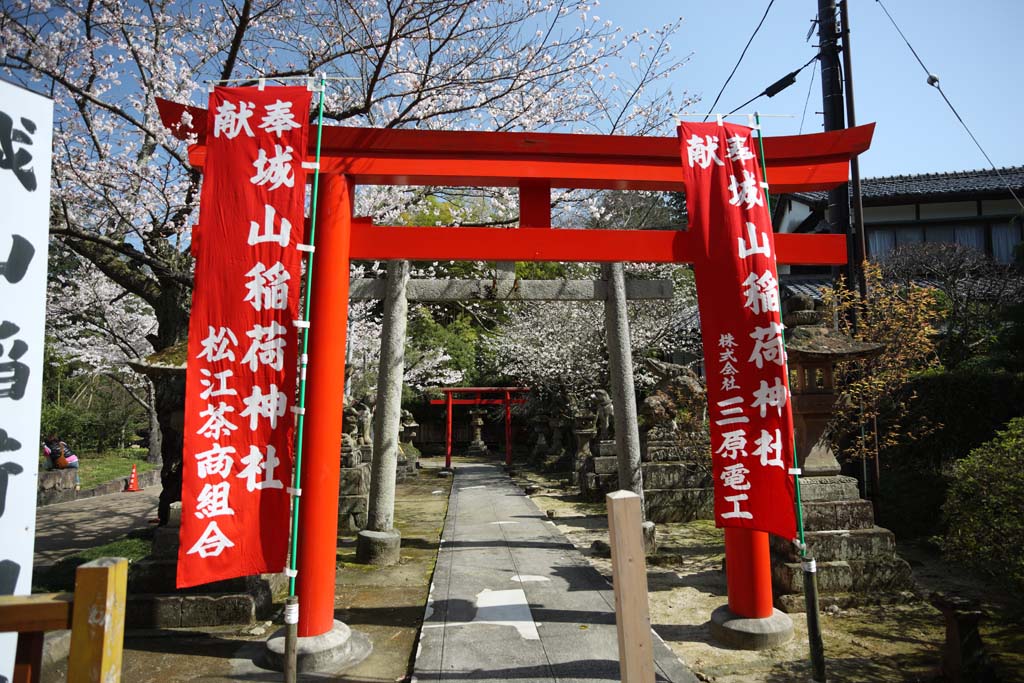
[(94, 613)]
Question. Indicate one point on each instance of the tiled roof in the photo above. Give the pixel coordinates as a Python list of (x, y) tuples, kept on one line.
[(979, 184)]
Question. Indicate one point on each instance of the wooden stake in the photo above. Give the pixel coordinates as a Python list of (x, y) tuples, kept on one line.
[(97, 621), (629, 571)]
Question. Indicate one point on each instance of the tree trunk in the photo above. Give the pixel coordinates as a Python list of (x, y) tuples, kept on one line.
[(155, 438), (169, 392)]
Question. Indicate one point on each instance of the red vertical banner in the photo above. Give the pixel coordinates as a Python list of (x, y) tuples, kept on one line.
[(241, 378), (741, 327)]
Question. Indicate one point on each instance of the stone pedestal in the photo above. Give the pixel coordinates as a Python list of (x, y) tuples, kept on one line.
[(676, 490), (408, 454), (354, 489), (154, 601), (378, 547), (856, 560), (584, 435), (332, 652), (540, 439), (750, 634)]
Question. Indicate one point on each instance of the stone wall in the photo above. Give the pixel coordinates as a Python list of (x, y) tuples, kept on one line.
[(58, 486)]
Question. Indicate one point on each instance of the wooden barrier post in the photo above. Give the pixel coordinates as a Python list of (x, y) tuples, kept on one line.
[(629, 573), (97, 621)]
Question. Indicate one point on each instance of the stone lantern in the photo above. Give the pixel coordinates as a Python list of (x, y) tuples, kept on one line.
[(477, 447), (856, 560), (813, 349)]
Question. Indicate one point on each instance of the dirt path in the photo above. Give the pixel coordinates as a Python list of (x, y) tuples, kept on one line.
[(869, 644)]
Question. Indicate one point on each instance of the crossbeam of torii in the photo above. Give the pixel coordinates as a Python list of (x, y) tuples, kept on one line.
[(534, 162)]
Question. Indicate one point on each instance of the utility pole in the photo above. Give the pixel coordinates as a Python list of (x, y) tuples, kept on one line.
[(860, 252), (838, 215)]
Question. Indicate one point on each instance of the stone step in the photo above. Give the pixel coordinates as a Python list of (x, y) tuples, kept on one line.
[(355, 481), (159, 575), (678, 505), (657, 475), (352, 512), (150, 610), (838, 487), (825, 546), (838, 514), (795, 603), (669, 475), (852, 576)]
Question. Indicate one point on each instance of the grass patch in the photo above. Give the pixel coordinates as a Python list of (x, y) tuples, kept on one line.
[(99, 468), (61, 576)]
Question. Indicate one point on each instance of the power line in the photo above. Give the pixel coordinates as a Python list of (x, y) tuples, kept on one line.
[(810, 86), (933, 81), (742, 54)]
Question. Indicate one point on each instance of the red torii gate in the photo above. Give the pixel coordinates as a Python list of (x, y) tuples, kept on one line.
[(535, 163), (449, 401)]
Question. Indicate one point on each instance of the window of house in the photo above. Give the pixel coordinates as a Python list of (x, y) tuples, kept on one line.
[(940, 233), (911, 235), (880, 243), (971, 236), (1005, 236)]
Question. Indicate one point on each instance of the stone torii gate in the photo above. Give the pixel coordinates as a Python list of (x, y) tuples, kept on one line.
[(379, 543), (536, 163)]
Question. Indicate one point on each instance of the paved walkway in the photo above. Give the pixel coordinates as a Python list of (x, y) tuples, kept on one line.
[(64, 529), (513, 600)]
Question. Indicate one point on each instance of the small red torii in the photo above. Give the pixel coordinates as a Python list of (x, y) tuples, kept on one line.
[(507, 399), (535, 163)]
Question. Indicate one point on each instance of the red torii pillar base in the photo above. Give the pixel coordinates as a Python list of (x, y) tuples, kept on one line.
[(749, 621), (324, 643)]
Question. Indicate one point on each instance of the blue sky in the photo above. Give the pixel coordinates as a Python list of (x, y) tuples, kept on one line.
[(975, 49)]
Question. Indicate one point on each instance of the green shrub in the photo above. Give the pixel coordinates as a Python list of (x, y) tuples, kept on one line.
[(966, 406), (984, 507)]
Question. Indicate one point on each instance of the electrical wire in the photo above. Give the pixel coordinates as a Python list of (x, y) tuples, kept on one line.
[(810, 86), (933, 81), (742, 54), (791, 75)]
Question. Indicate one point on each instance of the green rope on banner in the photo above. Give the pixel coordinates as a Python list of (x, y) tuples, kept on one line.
[(785, 366), (297, 478)]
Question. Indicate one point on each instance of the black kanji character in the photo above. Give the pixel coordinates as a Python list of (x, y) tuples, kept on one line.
[(6, 469), (16, 265), (13, 374), (17, 161), (9, 571)]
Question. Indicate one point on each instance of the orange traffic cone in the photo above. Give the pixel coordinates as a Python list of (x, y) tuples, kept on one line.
[(133, 481)]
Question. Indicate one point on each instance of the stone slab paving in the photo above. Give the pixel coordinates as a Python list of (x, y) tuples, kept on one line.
[(513, 600)]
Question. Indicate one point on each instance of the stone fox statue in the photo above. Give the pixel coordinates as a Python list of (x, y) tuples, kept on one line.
[(605, 415), (681, 384), (679, 375)]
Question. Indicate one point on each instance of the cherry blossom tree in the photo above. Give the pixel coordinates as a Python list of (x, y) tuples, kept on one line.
[(558, 348), (124, 194), (100, 326)]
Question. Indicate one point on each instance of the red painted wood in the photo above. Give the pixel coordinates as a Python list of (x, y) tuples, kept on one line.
[(475, 402), (472, 158), (748, 574), (448, 433), (508, 429), (317, 554), (535, 203), (538, 244), (481, 390)]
